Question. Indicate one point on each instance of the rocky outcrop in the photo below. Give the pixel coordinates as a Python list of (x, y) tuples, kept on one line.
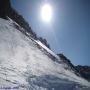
[(44, 41), (5, 8), (84, 71), (68, 64), (66, 61)]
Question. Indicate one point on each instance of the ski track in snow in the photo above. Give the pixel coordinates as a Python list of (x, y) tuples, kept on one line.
[(23, 66)]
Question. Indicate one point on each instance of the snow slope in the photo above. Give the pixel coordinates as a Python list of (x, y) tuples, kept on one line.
[(26, 64)]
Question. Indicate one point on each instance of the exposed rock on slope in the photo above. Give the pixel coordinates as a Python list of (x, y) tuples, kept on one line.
[(84, 71), (5, 8), (68, 63)]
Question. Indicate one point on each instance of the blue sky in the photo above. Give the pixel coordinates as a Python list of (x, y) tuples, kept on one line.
[(69, 30)]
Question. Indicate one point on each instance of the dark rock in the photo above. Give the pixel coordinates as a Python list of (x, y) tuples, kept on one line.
[(68, 64), (44, 41), (84, 71), (65, 60), (5, 8)]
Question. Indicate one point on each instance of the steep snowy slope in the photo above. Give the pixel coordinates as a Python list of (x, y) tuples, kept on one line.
[(26, 64)]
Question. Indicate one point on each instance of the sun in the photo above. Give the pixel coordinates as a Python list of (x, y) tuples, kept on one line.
[(46, 12)]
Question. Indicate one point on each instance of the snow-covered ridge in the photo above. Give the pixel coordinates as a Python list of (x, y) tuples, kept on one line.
[(39, 43), (26, 67)]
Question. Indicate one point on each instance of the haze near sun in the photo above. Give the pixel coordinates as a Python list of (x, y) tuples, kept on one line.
[(46, 12)]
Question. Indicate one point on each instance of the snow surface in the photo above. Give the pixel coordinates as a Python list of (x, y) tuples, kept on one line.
[(26, 64)]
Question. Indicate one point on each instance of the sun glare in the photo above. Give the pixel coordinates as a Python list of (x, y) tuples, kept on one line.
[(46, 13)]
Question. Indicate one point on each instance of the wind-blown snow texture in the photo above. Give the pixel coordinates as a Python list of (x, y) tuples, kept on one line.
[(26, 64)]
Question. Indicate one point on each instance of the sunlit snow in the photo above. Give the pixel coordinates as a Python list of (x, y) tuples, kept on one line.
[(24, 66)]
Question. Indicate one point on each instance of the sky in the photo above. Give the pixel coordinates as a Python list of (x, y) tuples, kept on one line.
[(69, 30)]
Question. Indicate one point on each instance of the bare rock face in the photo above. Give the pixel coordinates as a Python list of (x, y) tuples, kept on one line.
[(84, 71), (66, 60), (5, 8)]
